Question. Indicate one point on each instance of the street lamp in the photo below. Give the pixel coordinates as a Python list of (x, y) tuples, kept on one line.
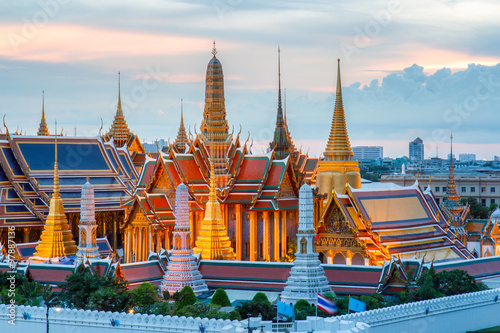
[(50, 300)]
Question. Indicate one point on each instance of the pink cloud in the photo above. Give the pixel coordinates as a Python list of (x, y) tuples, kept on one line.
[(68, 43)]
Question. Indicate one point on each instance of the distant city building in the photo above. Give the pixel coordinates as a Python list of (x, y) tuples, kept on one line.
[(368, 152), (416, 152), (448, 157), (467, 157), (484, 187)]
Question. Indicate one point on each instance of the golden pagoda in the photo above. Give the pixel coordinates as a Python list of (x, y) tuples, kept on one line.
[(181, 140), (43, 129), (119, 130), (56, 239), (213, 242), (338, 169)]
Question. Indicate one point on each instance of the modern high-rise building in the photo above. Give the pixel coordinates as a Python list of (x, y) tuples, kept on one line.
[(367, 152), (416, 152), (467, 157)]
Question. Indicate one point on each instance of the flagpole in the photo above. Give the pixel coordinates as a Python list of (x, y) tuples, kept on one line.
[(348, 305), (316, 313), (277, 313)]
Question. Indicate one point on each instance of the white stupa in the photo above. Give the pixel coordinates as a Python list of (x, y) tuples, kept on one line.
[(87, 247), (307, 277), (182, 269)]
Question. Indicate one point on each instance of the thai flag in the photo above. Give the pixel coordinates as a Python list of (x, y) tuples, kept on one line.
[(326, 305)]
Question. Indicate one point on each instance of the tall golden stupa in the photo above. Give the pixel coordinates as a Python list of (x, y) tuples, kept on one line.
[(338, 167), (56, 239)]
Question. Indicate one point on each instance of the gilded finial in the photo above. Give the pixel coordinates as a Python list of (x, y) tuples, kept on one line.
[(430, 178), (182, 111), (119, 93), (56, 193), (214, 50), (339, 85)]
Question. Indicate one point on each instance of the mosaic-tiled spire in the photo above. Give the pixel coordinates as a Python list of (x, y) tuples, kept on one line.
[(182, 269), (87, 247), (281, 143), (338, 147), (307, 277), (213, 242), (214, 126), (56, 239), (181, 140), (43, 128), (119, 130)]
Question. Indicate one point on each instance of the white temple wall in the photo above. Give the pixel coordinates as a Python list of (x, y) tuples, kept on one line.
[(460, 313)]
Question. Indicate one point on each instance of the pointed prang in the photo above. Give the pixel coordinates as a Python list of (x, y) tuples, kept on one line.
[(181, 140)]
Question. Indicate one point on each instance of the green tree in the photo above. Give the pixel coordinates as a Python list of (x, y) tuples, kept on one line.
[(162, 308), (302, 309), (79, 287), (185, 297), (109, 299), (143, 297), (476, 210), (220, 298), (457, 282), (259, 305)]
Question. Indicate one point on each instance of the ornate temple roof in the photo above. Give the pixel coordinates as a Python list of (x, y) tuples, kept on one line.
[(27, 179), (397, 220), (338, 147)]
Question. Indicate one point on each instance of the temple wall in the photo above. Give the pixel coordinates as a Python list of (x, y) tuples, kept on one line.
[(80, 321), (460, 313)]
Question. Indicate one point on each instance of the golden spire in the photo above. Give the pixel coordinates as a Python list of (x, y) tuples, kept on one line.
[(119, 131), (338, 147), (213, 242), (181, 140), (451, 198), (56, 239), (43, 129)]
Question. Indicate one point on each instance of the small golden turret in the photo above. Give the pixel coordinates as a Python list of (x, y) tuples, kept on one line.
[(56, 239), (119, 131), (43, 129), (181, 140)]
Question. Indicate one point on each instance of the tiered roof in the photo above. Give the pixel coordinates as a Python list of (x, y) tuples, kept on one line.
[(27, 179)]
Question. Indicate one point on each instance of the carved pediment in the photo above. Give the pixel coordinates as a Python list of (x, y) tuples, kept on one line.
[(286, 188)]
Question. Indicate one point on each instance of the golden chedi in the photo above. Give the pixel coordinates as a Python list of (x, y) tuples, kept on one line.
[(213, 242), (338, 169), (56, 239)]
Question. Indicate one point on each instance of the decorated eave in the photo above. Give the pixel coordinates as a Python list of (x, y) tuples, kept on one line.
[(26, 178)]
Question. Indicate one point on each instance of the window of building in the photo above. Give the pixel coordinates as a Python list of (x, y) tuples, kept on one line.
[(492, 190), (492, 201), (444, 188), (483, 202), (437, 201), (472, 189), (483, 189), (463, 189), (437, 188)]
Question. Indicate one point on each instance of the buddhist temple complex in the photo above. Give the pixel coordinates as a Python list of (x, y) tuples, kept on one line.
[(239, 206)]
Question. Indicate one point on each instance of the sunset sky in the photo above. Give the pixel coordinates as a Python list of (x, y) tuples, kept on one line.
[(409, 68)]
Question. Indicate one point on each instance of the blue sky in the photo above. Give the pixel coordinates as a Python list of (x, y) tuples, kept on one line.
[(409, 68)]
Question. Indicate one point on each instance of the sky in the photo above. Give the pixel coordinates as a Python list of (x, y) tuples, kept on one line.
[(409, 68)]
